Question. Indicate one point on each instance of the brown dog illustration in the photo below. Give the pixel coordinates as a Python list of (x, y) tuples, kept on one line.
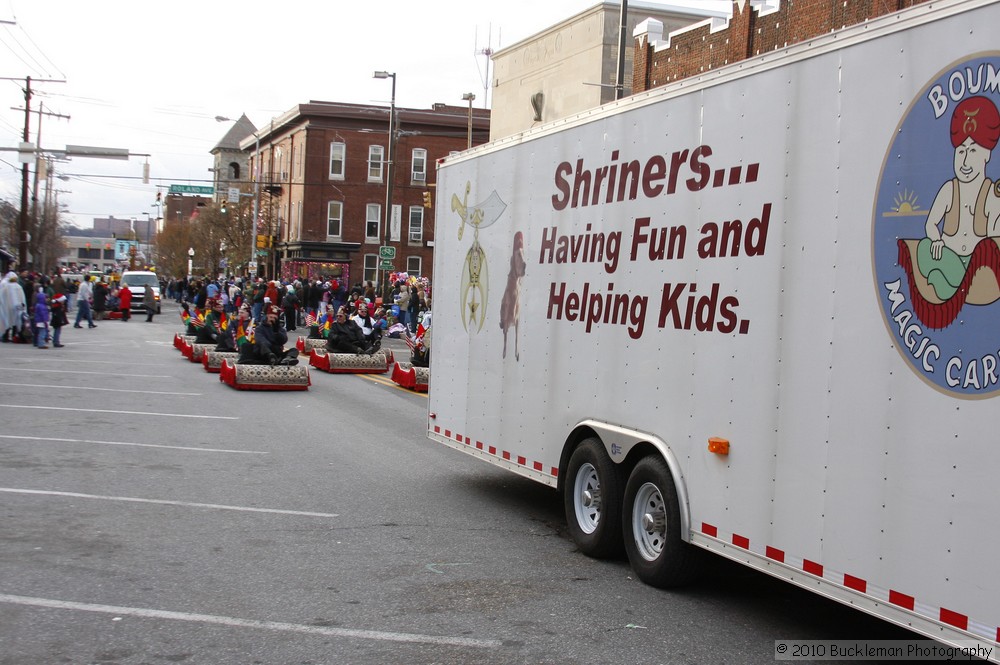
[(510, 306)]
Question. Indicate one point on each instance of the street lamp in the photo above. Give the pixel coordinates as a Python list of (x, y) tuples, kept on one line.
[(389, 168), (469, 97), (190, 259)]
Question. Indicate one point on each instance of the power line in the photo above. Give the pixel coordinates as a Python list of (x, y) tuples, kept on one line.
[(39, 50), (226, 181)]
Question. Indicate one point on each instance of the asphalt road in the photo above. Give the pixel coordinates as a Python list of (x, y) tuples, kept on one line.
[(151, 514)]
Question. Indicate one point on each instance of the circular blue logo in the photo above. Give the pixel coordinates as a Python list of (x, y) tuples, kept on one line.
[(936, 231)]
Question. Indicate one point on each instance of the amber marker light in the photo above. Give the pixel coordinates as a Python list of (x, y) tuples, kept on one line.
[(718, 446)]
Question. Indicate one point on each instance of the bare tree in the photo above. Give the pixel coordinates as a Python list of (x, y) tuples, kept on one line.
[(9, 216), (47, 244), (172, 245)]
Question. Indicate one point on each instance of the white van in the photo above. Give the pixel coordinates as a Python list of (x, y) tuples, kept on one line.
[(136, 281)]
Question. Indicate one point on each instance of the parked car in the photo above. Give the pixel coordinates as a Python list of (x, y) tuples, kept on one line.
[(136, 281)]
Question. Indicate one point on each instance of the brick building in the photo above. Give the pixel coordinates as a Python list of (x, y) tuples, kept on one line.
[(323, 186), (756, 27)]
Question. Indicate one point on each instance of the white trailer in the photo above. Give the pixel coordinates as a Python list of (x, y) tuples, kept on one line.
[(746, 313)]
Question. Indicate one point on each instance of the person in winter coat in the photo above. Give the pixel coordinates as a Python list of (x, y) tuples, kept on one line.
[(58, 318), (290, 303), (211, 331), (346, 337), (40, 320), (58, 284), (404, 303), (370, 329), (316, 293), (268, 347), (101, 292), (85, 296), (148, 299), (12, 305), (257, 296), (413, 309), (125, 302), (272, 293)]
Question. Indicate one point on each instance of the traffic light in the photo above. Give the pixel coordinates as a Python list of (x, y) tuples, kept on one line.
[(427, 200), (223, 208), (159, 198)]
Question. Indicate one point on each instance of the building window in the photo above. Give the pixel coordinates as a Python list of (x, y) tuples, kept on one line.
[(109, 255), (416, 231), (413, 265), (375, 162), (282, 171), (334, 219), (234, 171), (373, 218), (418, 170), (371, 268), (338, 152)]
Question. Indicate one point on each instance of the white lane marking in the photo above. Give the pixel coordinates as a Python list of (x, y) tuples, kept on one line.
[(234, 622), (165, 502), (129, 413), (71, 371), (64, 361), (89, 388), (140, 445)]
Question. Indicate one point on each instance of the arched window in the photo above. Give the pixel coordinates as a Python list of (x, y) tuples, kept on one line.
[(234, 171)]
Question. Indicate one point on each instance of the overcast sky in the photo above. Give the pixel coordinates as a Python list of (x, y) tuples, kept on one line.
[(151, 77)]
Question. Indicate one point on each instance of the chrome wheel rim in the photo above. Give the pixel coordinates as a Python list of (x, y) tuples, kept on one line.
[(649, 522), (587, 498)]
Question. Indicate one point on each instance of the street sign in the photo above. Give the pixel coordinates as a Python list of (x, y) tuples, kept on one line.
[(261, 252), (93, 151), (191, 189), (253, 265), (387, 265), (395, 223), (234, 195), (387, 252)]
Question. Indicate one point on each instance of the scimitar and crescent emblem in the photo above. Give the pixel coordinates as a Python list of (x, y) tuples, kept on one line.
[(475, 271)]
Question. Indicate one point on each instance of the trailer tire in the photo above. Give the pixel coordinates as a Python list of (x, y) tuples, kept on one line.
[(592, 498), (652, 527)]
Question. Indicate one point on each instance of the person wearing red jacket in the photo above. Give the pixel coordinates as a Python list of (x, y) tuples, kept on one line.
[(125, 302), (272, 294)]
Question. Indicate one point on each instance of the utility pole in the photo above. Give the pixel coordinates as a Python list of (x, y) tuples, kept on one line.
[(38, 157), (622, 40), (22, 227)]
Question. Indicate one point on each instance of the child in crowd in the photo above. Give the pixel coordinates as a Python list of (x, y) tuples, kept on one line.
[(58, 318)]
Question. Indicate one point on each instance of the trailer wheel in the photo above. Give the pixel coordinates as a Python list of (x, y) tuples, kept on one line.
[(652, 527), (592, 499)]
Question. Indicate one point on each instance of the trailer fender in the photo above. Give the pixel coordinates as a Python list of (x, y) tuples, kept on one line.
[(625, 447)]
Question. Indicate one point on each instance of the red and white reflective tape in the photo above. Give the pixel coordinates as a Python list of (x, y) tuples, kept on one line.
[(881, 594), (505, 455)]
